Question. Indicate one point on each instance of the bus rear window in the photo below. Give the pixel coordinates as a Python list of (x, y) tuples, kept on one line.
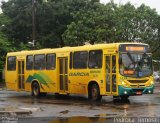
[(11, 63)]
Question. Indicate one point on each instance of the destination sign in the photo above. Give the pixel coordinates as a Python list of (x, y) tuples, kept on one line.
[(133, 48), (128, 72)]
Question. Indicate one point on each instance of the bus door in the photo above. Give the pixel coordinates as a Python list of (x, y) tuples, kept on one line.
[(111, 85), (63, 74), (21, 75)]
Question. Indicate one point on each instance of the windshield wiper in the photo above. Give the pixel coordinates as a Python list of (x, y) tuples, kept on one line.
[(139, 65), (140, 62), (130, 57)]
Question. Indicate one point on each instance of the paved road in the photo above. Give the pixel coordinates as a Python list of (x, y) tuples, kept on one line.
[(76, 108)]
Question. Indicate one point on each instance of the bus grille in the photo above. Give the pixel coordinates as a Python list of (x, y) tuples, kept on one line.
[(135, 90), (137, 86), (137, 81)]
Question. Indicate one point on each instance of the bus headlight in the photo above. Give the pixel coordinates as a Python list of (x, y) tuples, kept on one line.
[(125, 92), (123, 83), (152, 82)]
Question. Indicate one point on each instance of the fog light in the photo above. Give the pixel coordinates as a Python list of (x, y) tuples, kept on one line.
[(125, 92), (149, 91)]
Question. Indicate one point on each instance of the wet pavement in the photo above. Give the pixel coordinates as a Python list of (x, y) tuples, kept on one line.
[(75, 108)]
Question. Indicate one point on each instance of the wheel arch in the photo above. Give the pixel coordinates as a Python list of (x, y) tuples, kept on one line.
[(92, 94), (35, 81), (90, 83)]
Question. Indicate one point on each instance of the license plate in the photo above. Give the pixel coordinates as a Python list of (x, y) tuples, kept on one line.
[(138, 92)]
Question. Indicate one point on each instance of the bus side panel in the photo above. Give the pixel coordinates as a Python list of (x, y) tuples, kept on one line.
[(52, 81), (28, 82), (78, 81), (11, 80), (46, 78)]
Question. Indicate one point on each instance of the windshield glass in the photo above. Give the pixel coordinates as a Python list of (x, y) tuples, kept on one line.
[(135, 65)]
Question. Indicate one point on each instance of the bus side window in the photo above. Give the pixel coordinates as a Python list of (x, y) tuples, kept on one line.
[(39, 62), (11, 63), (29, 62), (113, 64), (80, 59), (107, 64), (71, 60), (95, 59), (50, 61)]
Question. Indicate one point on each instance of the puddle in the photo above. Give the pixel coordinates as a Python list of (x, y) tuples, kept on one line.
[(1, 100), (14, 111), (8, 109), (106, 115), (82, 120)]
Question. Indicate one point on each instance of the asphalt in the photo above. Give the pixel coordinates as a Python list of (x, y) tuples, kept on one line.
[(21, 107)]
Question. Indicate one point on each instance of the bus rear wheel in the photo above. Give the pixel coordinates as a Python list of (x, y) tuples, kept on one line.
[(36, 90), (94, 93)]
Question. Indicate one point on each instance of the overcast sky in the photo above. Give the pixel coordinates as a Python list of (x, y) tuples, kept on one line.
[(152, 3)]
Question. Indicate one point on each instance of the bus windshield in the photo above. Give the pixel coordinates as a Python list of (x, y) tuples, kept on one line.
[(135, 64)]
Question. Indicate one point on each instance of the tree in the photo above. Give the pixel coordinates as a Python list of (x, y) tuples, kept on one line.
[(20, 27), (5, 44), (74, 22), (95, 23), (52, 18), (114, 23)]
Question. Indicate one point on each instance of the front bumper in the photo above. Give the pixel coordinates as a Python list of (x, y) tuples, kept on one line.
[(135, 91)]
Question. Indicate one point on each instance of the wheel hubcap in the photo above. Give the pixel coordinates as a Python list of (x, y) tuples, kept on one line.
[(94, 93), (35, 90)]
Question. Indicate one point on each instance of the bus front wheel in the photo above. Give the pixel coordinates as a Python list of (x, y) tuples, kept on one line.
[(94, 93), (124, 97)]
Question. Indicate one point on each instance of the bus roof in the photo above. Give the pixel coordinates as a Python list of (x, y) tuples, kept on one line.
[(67, 48)]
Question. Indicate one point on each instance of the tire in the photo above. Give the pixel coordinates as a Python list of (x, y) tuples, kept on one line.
[(125, 97), (116, 97), (36, 90), (43, 94), (94, 93)]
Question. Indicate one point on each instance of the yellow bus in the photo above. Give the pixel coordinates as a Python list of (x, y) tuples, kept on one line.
[(115, 69)]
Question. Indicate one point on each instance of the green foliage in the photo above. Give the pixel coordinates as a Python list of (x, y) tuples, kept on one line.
[(92, 24), (74, 22), (138, 24), (52, 18), (4, 43), (4, 48), (113, 23), (20, 27)]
